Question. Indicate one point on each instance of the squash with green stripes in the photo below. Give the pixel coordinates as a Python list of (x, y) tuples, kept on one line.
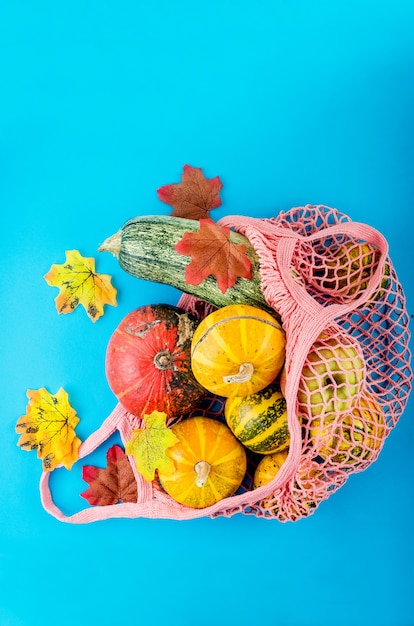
[(259, 421)]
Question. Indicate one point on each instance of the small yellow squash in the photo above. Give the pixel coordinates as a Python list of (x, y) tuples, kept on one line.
[(268, 468), (237, 350), (210, 463)]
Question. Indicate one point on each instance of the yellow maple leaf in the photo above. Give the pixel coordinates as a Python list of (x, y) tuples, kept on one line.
[(80, 284), (49, 427), (148, 445)]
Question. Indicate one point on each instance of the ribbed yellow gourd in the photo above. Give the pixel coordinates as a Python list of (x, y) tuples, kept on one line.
[(237, 350), (210, 463)]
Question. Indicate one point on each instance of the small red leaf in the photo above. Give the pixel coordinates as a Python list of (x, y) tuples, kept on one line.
[(214, 254), (194, 196), (112, 484)]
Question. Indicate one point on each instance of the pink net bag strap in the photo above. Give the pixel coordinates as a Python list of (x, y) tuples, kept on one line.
[(119, 420), (152, 501)]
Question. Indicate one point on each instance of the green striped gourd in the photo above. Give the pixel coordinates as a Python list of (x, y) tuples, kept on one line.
[(259, 421)]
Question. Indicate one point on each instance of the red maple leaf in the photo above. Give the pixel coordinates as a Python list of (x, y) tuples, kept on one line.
[(214, 254), (194, 196), (112, 484)]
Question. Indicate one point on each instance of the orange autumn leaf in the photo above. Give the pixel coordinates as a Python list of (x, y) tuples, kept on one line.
[(213, 253), (111, 484), (49, 427), (80, 284), (148, 445), (194, 196)]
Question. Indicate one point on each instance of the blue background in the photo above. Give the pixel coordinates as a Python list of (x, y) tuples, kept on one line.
[(101, 103)]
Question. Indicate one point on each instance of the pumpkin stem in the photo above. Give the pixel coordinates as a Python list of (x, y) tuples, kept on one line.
[(163, 360), (243, 375), (202, 469)]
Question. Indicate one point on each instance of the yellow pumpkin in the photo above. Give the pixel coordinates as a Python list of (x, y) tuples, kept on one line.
[(210, 463), (237, 350), (352, 437), (306, 479), (268, 467)]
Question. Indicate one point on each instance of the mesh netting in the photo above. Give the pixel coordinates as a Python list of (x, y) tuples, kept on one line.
[(347, 374)]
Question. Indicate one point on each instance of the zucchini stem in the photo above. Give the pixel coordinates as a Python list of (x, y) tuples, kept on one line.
[(112, 244)]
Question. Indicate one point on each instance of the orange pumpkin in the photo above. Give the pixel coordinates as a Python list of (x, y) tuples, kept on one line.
[(210, 463), (237, 350), (148, 361)]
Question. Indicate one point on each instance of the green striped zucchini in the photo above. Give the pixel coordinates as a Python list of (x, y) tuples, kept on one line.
[(259, 421), (145, 248)]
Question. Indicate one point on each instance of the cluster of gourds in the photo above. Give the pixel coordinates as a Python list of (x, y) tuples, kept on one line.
[(162, 358)]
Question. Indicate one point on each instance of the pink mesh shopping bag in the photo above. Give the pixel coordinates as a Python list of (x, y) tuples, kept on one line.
[(347, 374)]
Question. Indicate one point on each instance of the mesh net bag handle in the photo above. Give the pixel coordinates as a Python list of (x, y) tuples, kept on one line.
[(289, 251), (118, 420), (152, 501)]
